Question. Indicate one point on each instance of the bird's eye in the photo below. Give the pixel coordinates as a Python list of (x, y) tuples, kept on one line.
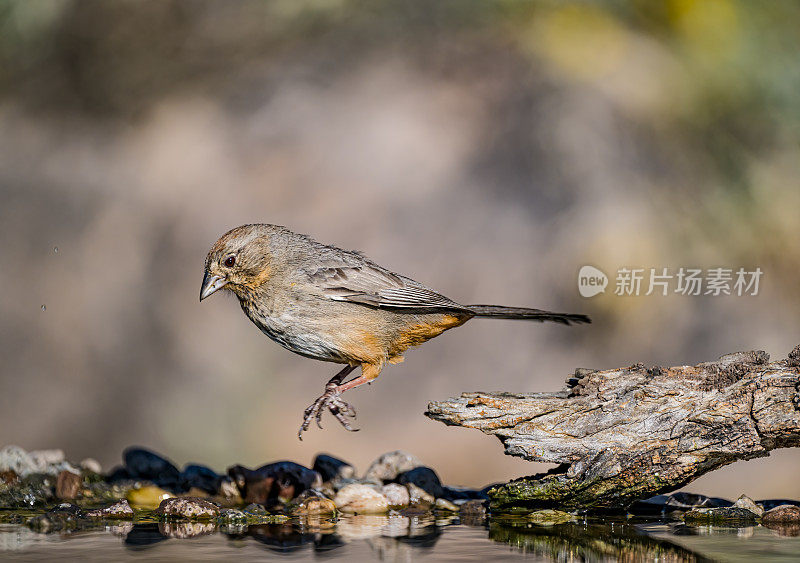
[(230, 261)]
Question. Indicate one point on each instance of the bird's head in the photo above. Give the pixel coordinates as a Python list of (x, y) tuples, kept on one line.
[(239, 261)]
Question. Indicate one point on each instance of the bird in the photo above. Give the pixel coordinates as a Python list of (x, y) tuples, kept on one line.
[(335, 305)]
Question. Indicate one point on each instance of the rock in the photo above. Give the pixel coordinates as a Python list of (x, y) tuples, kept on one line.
[(14, 458), (361, 499), (769, 504), (256, 510), (47, 458), (199, 477), (229, 491), (473, 508), (444, 504), (331, 468), (118, 511), (188, 508), (419, 497), (34, 490), (282, 480), (396, 495), (232, 516), (747, 503), (148, 496), (388, 466), (91, 465), (725, 515), (149, 466), (549, 517), (312, 503), (8, 477), (785, 514), (424, 478), (463, 493), (68, 485)]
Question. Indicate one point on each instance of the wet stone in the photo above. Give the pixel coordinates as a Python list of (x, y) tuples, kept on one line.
[(118, 511), (769, 504), (397, 495), (388, 466), (331, 468), (474, 508), (785, 513), (424, 478), (148, 496), (444, 504), (361, 499), (187, 508), (312, 503), (726, 515), (419, 497)]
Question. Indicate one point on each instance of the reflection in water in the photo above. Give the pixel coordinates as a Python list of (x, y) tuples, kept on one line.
[(400, 537), (584, 541)]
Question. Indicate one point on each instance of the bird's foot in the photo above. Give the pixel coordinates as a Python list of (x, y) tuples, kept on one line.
[(331, 399)]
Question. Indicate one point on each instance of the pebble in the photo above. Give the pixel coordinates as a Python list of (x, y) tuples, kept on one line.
[(444, 504), (785, 513), (473, 508), (68, 485), (424, 478), (419, 497), (50, 462), (749, 504), (119, 510), (361, 499), (148, 496), (199, 477), (729, 514), (396, 495), (312, 503), (149, 466), (388, 466), (331, 468), (189, 508), (91, 465), (284, 480)]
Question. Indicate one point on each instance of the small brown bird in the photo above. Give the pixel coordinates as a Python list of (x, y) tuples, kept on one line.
[(337, 306)]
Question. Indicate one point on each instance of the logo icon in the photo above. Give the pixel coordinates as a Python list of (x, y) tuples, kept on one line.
[(591, 281)]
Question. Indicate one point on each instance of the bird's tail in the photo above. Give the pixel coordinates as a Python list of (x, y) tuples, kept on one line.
[(523, 313)]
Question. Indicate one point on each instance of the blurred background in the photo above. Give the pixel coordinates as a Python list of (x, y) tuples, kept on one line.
[(486, 148)]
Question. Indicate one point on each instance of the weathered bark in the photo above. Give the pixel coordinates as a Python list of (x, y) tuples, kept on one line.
[(631, 433)]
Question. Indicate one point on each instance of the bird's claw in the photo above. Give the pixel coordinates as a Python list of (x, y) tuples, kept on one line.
[(331, 399)]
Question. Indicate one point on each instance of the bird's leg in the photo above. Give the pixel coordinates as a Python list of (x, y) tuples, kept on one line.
[(331, 400)]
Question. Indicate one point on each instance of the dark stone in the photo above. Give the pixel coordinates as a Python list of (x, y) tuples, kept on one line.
[(692, 500), (769, 504), (149, 466), (199, 477), (282, 480), (474, 508), (456, 493), (425, 478), (329, 467), (119, 474)]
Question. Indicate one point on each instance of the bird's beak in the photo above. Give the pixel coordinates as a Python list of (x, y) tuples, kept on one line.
[(211, 284)]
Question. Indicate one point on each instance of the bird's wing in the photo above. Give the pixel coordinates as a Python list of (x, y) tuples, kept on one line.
[(369, 284)]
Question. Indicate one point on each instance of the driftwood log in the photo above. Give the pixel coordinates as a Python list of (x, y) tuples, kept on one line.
[(626, 434)]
